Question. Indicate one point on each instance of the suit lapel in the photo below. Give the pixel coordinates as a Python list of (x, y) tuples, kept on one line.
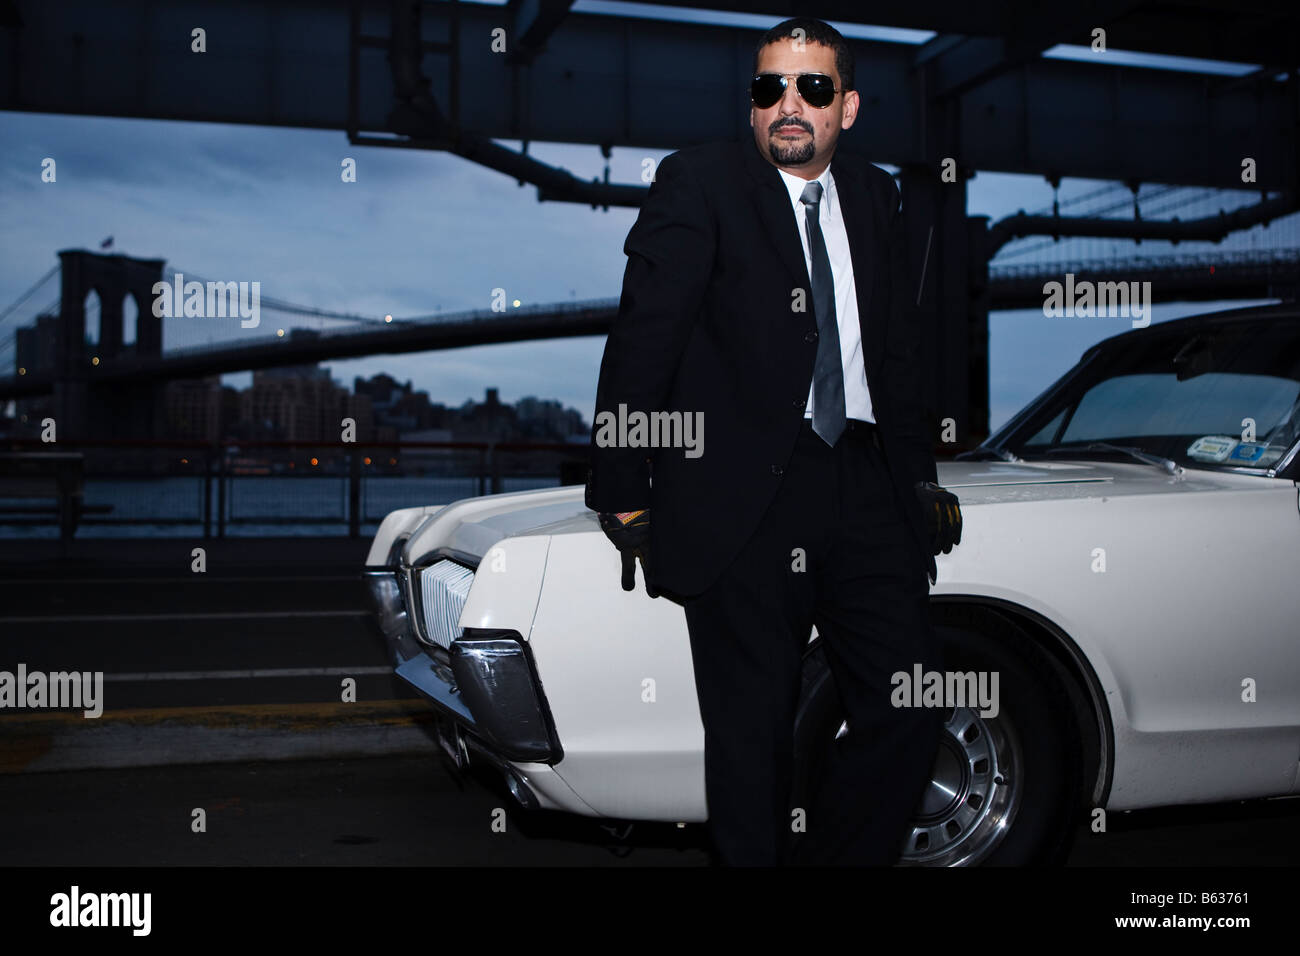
[(865, 248), (772, 200), (768, 191)]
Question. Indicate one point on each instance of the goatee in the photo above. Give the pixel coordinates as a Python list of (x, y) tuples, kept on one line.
[(791, 155)]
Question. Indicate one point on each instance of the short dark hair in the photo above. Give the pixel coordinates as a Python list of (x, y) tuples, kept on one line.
[(814, 31)]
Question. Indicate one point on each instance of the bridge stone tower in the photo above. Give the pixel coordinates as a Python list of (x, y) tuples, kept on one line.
[(84, 410)]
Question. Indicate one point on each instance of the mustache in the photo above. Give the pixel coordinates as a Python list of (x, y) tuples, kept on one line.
[(777, 127)]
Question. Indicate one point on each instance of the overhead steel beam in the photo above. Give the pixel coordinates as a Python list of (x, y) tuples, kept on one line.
[(1240, 31), (1206, 229), (1249, 32), (417, 115), (534, 21), (612, 81), (553, 183), (1032, 30)]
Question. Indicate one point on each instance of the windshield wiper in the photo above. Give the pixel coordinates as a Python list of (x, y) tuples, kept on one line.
[(1146, 457)]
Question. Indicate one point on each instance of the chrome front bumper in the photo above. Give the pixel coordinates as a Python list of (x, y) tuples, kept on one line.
[(484, 682)]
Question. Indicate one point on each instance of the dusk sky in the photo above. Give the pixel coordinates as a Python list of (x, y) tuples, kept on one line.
[(417, 233)]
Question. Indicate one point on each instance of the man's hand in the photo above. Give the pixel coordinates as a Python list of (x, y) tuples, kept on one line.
[(630, 532), (942, 515)]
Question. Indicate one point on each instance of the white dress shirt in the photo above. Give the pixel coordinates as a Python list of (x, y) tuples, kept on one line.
[(857, 400)]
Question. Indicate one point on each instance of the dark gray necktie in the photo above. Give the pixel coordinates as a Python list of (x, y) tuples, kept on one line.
[(828, 372)]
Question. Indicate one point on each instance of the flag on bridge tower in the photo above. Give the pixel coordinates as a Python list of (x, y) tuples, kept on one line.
[(107, 243)]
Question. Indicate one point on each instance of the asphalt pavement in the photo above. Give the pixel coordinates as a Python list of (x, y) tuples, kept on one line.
[(243, 665)]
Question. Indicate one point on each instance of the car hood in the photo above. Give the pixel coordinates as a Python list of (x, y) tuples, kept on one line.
[(994, 482), (473, 525)]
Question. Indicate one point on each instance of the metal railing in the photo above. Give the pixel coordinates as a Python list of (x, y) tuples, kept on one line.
[(242, 486)]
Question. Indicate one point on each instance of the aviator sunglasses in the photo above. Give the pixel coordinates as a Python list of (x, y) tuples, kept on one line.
[(817, 89)]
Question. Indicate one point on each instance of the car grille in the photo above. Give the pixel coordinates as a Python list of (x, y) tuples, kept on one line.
[(442, 587)]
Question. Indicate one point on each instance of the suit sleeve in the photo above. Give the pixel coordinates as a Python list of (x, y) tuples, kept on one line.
[(902, 361), (670, 252)]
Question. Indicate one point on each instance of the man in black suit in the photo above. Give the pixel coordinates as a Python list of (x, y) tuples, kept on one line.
[(765, 296)]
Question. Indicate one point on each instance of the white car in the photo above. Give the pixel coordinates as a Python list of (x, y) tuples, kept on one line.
[(1128, 568)]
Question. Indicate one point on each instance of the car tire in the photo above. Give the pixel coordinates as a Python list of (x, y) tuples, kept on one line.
[(1005, 790)]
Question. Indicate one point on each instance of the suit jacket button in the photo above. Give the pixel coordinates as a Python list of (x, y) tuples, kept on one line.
[(800, 402), (776, 470), (810, 337)]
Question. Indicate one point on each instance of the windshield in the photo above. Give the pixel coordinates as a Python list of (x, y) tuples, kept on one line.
[(1227, 396)]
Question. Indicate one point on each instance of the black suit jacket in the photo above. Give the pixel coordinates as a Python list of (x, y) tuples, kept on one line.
[(707, 323)]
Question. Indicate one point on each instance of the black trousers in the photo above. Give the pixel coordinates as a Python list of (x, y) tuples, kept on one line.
[(832, 550)]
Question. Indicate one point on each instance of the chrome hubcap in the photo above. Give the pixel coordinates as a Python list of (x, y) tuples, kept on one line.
[(973, 795)]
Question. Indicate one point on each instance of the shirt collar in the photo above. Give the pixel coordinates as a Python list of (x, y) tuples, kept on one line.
[(795, 184)]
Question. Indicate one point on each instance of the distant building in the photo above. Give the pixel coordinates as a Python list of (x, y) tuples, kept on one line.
[(303, 403), (34, 351), (490, 421), (398, 407), (34, 345), (547, 420), (192, 408)]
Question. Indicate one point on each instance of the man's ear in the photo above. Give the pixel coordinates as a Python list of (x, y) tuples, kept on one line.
[(851, 103)]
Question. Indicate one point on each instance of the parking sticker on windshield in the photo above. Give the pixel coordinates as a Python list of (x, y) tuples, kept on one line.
[(1212, 448), (1249, 452)]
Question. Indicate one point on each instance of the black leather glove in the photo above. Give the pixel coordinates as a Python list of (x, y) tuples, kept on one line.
[(942, 515), (630, 532)]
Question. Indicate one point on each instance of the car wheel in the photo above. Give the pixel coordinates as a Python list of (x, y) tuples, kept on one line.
[(1004, 790)]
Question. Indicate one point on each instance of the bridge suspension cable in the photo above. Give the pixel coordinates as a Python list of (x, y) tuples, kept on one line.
[(30, 292)]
